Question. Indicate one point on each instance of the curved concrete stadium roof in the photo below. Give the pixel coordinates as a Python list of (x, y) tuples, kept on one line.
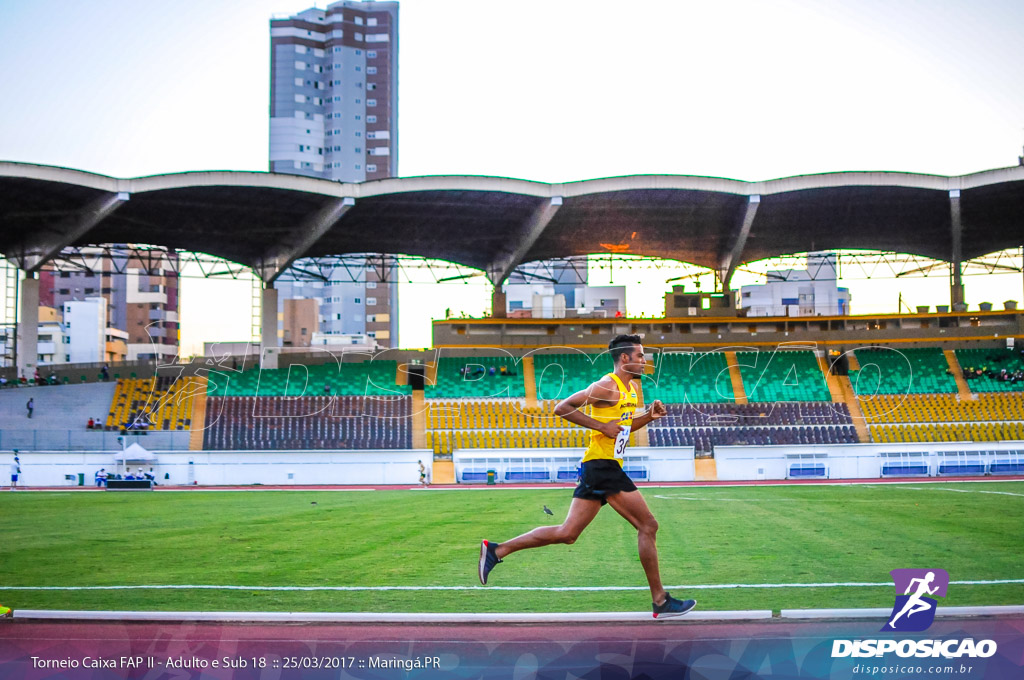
[(266, 220)]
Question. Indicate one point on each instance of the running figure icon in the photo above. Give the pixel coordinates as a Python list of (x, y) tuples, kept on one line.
[(915, 604), (914, 610)]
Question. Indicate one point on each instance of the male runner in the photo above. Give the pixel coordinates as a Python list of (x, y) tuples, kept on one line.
[(614, 401)]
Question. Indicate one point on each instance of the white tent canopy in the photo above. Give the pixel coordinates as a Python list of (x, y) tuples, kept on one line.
[(135, 453)]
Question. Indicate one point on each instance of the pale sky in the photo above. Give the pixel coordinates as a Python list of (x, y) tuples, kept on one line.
[(552, 91)]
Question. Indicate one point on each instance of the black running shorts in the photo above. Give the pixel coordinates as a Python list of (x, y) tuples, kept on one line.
[(600, 479)]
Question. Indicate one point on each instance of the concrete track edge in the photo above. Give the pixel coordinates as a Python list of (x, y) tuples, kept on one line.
[(493, 618)]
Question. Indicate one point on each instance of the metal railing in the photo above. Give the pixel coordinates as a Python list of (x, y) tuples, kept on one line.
[(91, 440)]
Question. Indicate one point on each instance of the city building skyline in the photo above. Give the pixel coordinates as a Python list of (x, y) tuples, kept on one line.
[(141, 300)]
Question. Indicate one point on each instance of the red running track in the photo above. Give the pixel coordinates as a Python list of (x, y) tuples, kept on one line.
[(549, 485)]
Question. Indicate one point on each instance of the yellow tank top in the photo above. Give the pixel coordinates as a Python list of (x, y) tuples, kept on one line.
[(603, 447)]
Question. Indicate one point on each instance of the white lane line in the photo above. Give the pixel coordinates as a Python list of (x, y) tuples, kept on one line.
[(997, 610), (715, 586), (942, 488), (738, 500)]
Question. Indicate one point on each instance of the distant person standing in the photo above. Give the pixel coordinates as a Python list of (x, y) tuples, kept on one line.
[(105, 373), (423, 473), (15, 471), (31, 404)]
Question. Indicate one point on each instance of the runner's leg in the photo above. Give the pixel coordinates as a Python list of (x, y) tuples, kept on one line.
[(632, 506), (581, 513)]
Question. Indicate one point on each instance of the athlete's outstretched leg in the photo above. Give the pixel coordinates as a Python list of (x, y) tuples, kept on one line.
[(632, 506), (581, 513)]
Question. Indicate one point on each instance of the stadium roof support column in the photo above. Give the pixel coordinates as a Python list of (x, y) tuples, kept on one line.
[(42, 244), (28, 327), (731, 259), (956, 289), (270, 343), (503, 265), (280, 256)]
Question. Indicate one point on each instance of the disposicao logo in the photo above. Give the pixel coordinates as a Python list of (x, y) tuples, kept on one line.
[(914, 610)]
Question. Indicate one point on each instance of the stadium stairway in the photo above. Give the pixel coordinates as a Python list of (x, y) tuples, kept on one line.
[(444, 472), (841, 390), (705, 470), (835, 390), (195, 439), (958, 374), (419, 420), (530, 383), (736, 378), (850, 399), (430, 372)]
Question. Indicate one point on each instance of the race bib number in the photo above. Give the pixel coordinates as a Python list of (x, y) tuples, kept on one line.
[(622, 441)]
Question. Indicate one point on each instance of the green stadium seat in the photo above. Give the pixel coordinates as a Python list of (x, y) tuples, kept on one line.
[(689, 377), (994, 361), (782, 375), (560, 375), (913, 370), (368, 378), (452, 384)]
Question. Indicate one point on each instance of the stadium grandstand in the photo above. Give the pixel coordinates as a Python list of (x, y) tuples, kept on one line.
[(783, 389)]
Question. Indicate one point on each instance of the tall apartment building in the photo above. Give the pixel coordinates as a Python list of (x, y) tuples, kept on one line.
[(142, 303), (334, 92)]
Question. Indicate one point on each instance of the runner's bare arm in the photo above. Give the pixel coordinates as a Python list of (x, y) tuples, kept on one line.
[(653, 412), (571, 408)]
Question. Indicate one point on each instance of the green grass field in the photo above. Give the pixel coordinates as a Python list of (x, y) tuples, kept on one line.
[(709, 535)]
